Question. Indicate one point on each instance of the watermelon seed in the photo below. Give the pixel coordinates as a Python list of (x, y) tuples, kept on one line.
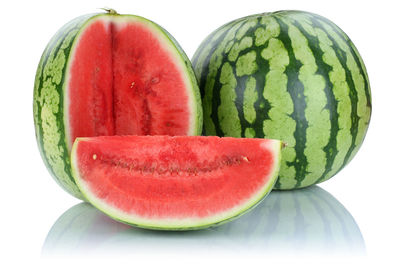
[(132, 84), (155, 80), (94, 156), (245, 159)]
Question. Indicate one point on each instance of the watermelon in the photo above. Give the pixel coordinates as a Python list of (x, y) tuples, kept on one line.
[(288, 75), (111, 74), (305, 221), (174, 183)]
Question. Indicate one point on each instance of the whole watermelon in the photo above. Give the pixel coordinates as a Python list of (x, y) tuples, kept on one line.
[(288, 75)]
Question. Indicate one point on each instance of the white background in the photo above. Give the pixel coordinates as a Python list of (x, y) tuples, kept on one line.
[(31, 201)]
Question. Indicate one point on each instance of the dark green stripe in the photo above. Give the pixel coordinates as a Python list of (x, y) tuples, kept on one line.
[(296, 91), (202, 72), (342, 57), (216, 98), (58, 44), (262, 105), (52, 50), (363, 72), (332, 104), (355, 55), (60, 114), (259, 76), (202, 77)]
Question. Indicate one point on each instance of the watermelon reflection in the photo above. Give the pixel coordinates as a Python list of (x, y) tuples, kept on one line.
[(303, 221)]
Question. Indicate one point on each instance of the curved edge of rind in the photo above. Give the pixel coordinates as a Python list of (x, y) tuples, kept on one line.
[(273, 176), (59, 36)]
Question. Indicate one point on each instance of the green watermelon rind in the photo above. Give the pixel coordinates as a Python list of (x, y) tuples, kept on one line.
[(181, 226), (303, 56), (56, 154), (49, 68)]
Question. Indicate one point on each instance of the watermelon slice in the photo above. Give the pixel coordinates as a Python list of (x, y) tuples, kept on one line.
[(174, 183)]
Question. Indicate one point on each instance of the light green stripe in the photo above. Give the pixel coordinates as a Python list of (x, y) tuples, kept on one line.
[(363, 112), (229, 46), (227, 112), (52, 139), (199, 59), (246, 64), (275, 91), (36, 104), (205, 48), (214, 65), (306, 24), (246, 42), (364, 71), (250, 97), (340, 89), (317, 133), (272, 29), (249, 133), (250, 22)]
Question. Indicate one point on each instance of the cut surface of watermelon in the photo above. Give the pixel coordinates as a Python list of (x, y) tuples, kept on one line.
[(174, 183), (111, 74), (125, 77)]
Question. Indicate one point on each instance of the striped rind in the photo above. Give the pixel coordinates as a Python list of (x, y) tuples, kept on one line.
[(48, 105), (49, 100), (288, 75), (181, 224)]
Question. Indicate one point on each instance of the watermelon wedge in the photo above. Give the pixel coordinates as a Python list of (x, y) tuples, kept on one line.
[(111, 74), (174, 183)]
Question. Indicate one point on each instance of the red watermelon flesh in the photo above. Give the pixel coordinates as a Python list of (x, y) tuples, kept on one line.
[(126, 79), (181, 182)]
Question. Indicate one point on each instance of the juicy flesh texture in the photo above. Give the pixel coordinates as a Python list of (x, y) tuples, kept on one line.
[(123, 81), (174, 177)]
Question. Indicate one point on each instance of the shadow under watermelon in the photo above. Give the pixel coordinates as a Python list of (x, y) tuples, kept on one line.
[(304, 221)]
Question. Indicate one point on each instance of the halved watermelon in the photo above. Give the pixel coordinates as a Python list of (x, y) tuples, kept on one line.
[(111, 74), (174, 183)]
